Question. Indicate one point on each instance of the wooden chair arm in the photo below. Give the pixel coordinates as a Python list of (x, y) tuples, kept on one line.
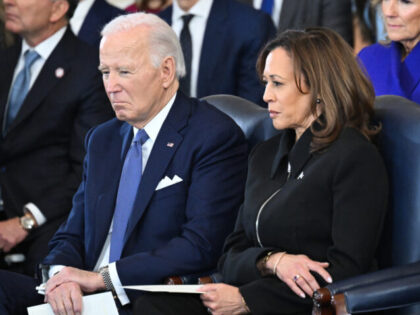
[(322, 297), (173, 280), (339, 303)]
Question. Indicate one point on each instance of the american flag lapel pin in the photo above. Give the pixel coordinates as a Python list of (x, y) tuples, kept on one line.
[(170, 144)]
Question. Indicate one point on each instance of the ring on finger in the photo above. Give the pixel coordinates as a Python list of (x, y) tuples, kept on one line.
[(296, 277)]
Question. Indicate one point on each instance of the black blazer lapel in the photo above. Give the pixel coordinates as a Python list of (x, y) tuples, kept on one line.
[(165, 147), (47, 79)]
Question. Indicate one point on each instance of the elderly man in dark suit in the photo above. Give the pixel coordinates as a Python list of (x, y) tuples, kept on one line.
[(162, 182), (300, 14), (50, 95), (221, 40)]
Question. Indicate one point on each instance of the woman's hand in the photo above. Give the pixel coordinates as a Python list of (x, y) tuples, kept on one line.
[(294, 270), (220, 298)]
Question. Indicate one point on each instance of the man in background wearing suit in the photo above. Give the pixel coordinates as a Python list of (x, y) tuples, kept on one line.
[(89, 18), (300, 14), (162, 182), (221, 40), (50, 95)]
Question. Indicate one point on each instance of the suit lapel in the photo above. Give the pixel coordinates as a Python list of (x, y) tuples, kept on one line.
[(8, 62), (215, 33), (47, 79), (166, 15), (160, 157), (288, 13), (410, 74), (91, 21)]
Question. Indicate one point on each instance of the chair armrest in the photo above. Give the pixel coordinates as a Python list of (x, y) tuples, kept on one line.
[(374, 277), (384, 295), (202, 278)]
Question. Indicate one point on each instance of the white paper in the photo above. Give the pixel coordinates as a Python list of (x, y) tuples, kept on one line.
[(100, 303), (172, 288)]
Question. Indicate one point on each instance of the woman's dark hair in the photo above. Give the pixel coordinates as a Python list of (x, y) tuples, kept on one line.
[(326, 64)]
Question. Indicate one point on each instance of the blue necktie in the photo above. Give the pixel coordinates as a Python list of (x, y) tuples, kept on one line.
[(127, 192), (267, 6), (20, 87)]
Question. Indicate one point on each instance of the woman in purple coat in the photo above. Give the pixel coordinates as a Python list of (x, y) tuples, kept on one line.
[(394, 67)]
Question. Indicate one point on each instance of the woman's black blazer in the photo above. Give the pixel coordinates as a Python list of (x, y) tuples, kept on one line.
[(330, 207)]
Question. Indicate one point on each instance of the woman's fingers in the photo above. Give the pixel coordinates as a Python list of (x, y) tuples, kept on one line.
[(295, 288), (321, 271), (307, 282)]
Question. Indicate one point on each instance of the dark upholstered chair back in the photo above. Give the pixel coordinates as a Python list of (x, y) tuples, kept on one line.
[(250, 117), (399, 250), (399, 143)]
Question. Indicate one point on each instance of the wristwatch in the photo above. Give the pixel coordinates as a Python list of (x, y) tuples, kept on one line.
[(27, 222), (104, 272)]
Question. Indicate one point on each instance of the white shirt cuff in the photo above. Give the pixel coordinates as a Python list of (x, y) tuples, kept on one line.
[(34, 210), (54, 269), (122, 296)]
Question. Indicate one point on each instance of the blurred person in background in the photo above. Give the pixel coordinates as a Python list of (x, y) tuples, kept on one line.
[(150, 6), (393, 66), (89, 18), (51, 94), (220, 40), (300, 14)]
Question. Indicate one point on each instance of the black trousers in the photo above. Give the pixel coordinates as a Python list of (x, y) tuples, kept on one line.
[(17, 292), (169, 304)]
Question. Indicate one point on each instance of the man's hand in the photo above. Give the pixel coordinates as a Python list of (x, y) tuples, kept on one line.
[(88, 281), (65, 299), (11, 234)]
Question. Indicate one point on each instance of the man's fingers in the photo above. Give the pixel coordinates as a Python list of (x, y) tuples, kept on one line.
[(76, 298)]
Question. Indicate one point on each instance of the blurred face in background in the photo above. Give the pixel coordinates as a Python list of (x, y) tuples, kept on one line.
[(186, 5), (34, 20), (402, 20), (288, 107)]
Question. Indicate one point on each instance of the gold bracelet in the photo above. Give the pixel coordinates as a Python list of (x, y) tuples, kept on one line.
[(266, 258), (277, 262)]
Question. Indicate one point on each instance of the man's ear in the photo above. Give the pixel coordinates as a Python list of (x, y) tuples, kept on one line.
[(168, 71), (59, 10)]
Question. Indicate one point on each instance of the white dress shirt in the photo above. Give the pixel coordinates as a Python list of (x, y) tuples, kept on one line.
[(44, 49), (275, 14), (79, 15), (152, 129), (197, 26)]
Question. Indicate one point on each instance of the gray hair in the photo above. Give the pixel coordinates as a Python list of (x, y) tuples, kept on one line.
[(163, 40)]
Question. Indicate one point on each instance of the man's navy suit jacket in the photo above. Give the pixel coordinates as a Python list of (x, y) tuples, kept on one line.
[(99, 14), (41, 156), (177, 230), (234, 36)]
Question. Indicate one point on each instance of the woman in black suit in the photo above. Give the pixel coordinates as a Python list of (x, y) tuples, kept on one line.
[(315, 195)]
